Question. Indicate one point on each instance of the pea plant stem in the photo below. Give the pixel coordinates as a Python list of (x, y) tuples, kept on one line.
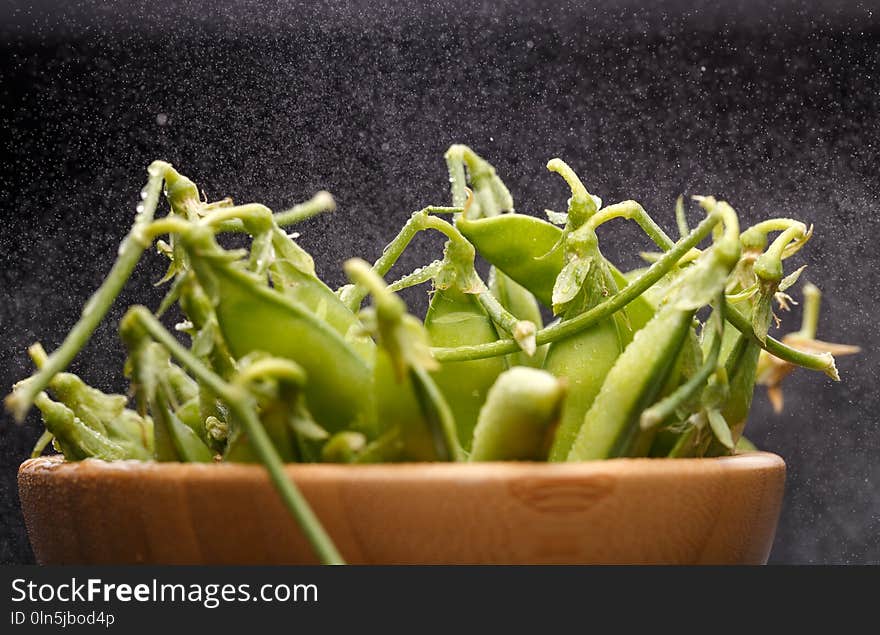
[(320, 203), (239, 402), (632, 210), (130, 251), (814, 361), (353, 296), (419, 276)]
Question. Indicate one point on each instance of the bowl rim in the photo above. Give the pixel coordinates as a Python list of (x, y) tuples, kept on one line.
[(57, 466)]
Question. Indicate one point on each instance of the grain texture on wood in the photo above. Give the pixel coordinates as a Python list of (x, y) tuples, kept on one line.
[(682, 511)]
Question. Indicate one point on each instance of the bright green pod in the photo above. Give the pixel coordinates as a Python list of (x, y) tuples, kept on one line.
[(456, 318), (521, 303), (610, 427), (76, 440), (525, 248), (583, 360), (398, 409), (293, 274), (253, 317), (516, 421)]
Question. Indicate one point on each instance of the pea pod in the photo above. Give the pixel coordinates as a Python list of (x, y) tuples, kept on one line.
[(253, 317), (611, 425), (293, 273), (585, 358), (525, 248), (456, 318), (520, 302), (405, 391), (76, 440), (516, 422)]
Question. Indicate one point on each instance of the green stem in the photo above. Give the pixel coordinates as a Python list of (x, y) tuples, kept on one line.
[(418, 276), (130, 251), (252, 217), (681, 217), (320, 203), (813, 361), (522, 331), (44, 440), (457, 178), (581, 206), (586, 319), (631, 210), (239, 403), (352, 296)]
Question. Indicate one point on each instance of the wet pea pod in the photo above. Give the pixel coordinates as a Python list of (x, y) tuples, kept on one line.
[(76, 440), (407, 398), (293, 273), (253, 317), (583, 359), (517, 420), (456, 317), (611, 425), (104, 414)]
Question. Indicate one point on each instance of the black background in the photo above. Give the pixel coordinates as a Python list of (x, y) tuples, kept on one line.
[(773, 107)]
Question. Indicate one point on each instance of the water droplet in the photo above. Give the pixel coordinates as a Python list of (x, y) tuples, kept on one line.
[(703, 69), (144, 194), (140, 208), (386, 147), (530, 44), (161, 119)]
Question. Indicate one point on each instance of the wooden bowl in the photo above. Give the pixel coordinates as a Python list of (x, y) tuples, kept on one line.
[(679, 511)]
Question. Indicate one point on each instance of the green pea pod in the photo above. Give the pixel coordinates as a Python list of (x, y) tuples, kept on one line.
[(174, 440), (398, 409), (520, 302), (293, 273), (407, 397), (103, 413), (525, 248), (76, 440), (585, 358), (456, 318), (253, 317), (611, 425), (516, 421)]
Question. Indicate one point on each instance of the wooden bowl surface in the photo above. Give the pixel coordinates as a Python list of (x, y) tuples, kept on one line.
[(679, 511)]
